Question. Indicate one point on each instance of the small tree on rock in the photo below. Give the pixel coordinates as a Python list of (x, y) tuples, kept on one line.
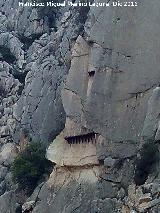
[(30, 166)]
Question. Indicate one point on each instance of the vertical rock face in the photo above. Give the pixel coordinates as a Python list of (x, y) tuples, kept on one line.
[(39, 109), (123, 66), (75, 73), (110, 90), (35, 54), (35, 45), (151, 124)]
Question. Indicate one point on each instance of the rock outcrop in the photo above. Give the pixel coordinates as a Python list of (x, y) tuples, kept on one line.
[(110, 90), (87, 80), (35, 55)]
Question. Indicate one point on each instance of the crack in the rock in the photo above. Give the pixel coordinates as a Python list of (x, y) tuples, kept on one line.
[(85, 158), (109, 180)]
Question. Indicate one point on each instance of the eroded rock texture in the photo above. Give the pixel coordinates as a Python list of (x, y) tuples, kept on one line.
[(90, 76), (35, 55), (112, 89)]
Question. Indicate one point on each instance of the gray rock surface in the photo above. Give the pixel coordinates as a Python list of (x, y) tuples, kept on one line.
[(151, 123), (28, 206), (8, 154), (79, 70), (107, 91), (47, 63), (35, 55), (125, 67), (3, 172), (74, 197), (8, 202), (109, 162)]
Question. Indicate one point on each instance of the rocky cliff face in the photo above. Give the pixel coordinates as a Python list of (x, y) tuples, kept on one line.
[(35, 54), (90, 76)]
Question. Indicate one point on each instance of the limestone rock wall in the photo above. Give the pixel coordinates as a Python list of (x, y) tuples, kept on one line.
[(112, 88), (36, 45), (35, 54), (74, 71), (39, 109)]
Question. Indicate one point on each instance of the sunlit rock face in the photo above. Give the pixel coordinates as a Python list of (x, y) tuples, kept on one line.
[(74, 77), (111, 78), (35, 55), (37, 43), (74, 151), (125, 72), (77, 154), (74, 147)]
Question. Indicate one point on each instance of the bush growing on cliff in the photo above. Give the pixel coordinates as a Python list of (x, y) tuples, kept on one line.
[(30, 166), (149, 155)]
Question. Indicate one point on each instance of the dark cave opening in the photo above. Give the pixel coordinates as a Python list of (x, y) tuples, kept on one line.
[(91, 73)]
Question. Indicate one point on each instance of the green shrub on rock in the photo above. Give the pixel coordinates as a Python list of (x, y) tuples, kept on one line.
[(30, 166)]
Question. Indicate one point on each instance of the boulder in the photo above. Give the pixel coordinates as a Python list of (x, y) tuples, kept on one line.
[(8, 153), (8, 202), (145, 198), (109, 162), (28, 206)]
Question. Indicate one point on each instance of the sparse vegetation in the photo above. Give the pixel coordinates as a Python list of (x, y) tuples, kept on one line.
[(149, 155), (30, 166)]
